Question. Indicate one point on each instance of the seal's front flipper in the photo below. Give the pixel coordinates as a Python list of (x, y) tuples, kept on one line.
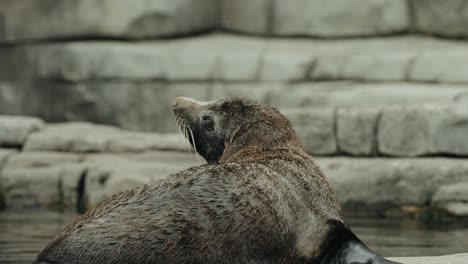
[(343, 247)]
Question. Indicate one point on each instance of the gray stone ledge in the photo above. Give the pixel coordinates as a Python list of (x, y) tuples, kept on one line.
[(145, 106), (453, 25), (424, 130), (217, 56), (395, 130), (338, 18), (81, 137), (392, 184), (449, 259), (25, 20), (14, 130)]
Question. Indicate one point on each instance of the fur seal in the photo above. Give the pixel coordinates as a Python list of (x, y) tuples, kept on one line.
[(260, 199)]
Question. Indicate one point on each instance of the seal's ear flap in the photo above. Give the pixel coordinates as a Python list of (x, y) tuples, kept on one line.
[(343, 247)]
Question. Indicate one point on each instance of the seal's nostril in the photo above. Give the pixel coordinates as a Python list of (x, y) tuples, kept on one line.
[(176, 102)]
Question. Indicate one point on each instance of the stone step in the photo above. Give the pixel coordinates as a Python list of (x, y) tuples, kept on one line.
[(25, 20), (145, 106), (404, 185), (394, 130), (234, 58), (450, 259)]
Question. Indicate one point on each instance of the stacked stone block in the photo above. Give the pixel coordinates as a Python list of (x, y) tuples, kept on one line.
[(377, 90)]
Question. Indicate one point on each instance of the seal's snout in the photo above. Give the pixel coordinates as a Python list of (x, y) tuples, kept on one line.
[(182, 105)]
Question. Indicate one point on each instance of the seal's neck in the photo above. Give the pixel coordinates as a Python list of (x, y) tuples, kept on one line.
[(252, 145), (254, 153)]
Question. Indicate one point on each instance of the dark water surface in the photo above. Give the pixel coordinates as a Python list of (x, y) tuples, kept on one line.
[(23, 235)]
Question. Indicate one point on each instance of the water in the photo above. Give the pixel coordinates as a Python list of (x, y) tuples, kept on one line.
[(23, 235)]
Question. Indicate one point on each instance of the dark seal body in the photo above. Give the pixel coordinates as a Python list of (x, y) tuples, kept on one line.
[(259, 200)]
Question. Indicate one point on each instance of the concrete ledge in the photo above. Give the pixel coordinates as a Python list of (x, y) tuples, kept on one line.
[(216, 57), (450, 259), (404, 186), (395, 130)]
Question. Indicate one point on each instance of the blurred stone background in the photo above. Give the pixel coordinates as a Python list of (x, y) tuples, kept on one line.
[(377, 90)]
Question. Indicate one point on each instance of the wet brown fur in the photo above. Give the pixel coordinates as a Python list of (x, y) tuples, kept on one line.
[(263, 200)]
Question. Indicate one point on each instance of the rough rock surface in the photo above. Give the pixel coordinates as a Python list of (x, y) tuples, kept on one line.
[(73, 137), (131, 105), (390, 182), (452, 198), (423, 130), (4, 154), (87, 137), (11, 98), (217, 56), (452, 17), (247, 16), (105, 18), (403, 131), (35, 180), (356, 130), (68, 181), (449, 66), (14, 130), (333, 18), (316, 129), (451, 259), (145, 106)]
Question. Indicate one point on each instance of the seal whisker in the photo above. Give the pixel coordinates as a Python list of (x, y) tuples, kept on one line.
[(194, 144), (187, 141)]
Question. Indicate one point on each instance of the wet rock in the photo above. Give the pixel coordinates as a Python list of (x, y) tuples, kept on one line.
[(356, 129), (14, 130), (390, 182), (71, 186), (452, 198), (452, 17), (315, 128), (339, 18), (41, 180), (122, 19), (31, 188)]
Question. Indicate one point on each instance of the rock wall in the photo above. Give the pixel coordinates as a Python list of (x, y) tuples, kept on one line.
[(39, 20), (74, 166), (120, 62), (377, 87)]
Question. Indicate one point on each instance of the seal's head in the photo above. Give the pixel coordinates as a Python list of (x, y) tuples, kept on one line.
[(220, 129)]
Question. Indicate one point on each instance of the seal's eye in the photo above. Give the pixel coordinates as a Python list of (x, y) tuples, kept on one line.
[(208, 123)]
